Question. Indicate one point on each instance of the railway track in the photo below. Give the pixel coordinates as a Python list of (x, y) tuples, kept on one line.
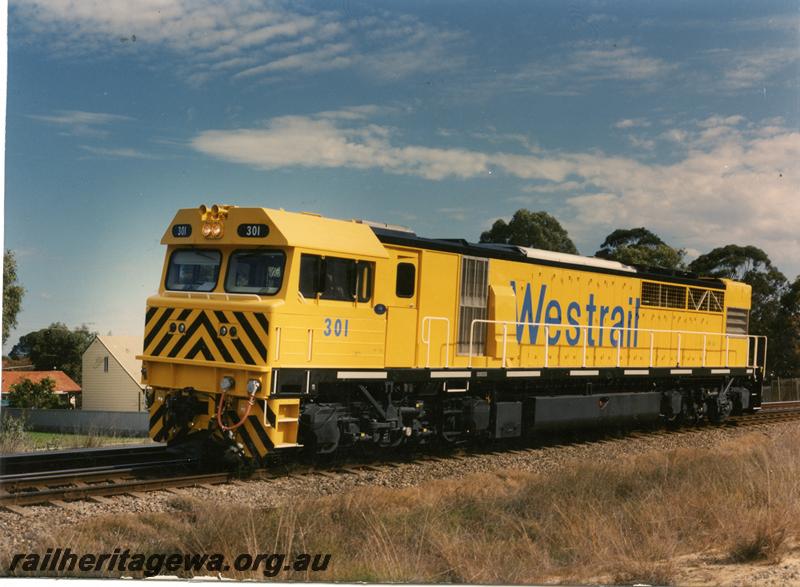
[(21, 463), (141, 469)]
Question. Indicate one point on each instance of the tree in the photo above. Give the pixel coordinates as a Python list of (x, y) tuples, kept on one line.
[(770, 288), (531, 229), (784, 344), (27, 394), (12, 294), (733, 262), (639, 246), (57, 347)]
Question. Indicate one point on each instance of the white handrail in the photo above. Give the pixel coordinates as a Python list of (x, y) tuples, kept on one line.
[(426, 340), (651, 331), (211, 295)]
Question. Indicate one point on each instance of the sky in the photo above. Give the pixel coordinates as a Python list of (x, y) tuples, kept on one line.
[(443, 116)]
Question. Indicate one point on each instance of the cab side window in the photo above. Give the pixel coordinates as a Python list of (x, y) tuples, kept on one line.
[(310, 275), (406, 280), (339, 282), (365, 270), (334, 278)]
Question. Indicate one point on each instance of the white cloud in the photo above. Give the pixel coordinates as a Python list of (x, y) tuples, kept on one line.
[(738, 70), (631, 123), (117, 153), (676, 135), (566, 186), (458, 214), (778, 23), (642, 143), (240, 38), (754, 69), (575, 68), (617, 60), (730, 182), (301, 141), (332, 56), (81, 123)]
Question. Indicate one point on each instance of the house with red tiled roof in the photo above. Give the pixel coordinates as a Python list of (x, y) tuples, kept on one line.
[(64, 385)]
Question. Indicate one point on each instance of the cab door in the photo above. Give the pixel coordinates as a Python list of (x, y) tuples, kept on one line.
[(402, 312)]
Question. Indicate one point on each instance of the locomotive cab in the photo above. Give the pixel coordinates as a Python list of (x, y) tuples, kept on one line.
[(245, 292)]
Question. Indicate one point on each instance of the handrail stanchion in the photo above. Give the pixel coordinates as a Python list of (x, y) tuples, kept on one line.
[(505, 338), (447, 344), (705, 336), (755, 352), (427, 341), (546, 343), (679, 350), (747, 356), (471, 329), (727, 348), (585, 339), (651, 349)]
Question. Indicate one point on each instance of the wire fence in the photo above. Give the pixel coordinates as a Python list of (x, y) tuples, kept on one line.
[(781, 390)]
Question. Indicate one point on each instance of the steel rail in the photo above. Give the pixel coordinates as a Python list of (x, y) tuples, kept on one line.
[(121, 487), (77, 458)]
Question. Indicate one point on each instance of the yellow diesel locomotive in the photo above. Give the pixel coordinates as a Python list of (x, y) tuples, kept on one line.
[(275, 331)]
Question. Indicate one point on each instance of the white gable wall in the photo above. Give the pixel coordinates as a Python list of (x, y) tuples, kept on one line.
[(112, 390)]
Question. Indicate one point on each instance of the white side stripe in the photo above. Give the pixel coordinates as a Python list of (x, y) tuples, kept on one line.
[(583, 373), (637, 371), (680, 371), (361, 375), (449, 374), (523, 373), (720, 370)]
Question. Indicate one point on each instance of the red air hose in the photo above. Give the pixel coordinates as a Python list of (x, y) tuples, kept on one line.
[(250, 403)]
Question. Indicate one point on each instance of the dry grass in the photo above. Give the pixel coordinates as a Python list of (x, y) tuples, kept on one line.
[(624, 522), (12, 434)]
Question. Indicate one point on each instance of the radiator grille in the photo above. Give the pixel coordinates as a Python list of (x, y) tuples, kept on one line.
[(474, 300), (663, 296), (737, 321)]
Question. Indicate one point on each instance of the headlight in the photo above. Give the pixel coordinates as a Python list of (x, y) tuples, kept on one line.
[(253, 386), (227, 383)]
